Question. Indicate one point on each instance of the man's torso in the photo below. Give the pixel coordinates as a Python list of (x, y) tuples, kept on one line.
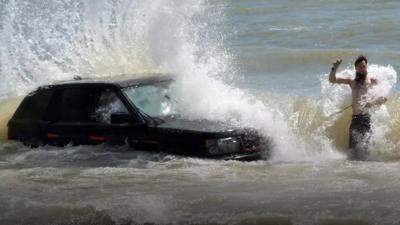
[(359, 92)]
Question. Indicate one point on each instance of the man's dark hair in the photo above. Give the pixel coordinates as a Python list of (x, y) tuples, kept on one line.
[(359, 59)]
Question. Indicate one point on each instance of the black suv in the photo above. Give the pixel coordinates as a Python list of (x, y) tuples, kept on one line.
[(122, 110)]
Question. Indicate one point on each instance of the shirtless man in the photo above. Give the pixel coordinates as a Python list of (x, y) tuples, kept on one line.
[(360, 127)]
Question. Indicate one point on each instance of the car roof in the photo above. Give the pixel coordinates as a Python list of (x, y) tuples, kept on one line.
[(121, 81)]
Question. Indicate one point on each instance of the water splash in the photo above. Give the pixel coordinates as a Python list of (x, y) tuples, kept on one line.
[(337, 97), (45, 43)]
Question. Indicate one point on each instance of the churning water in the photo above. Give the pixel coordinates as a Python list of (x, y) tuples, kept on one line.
[(261, 64)]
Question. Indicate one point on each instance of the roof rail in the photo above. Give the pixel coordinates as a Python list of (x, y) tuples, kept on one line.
[(77, 77)]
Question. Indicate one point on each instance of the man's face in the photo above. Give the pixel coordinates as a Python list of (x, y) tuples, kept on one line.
[(361, 67)]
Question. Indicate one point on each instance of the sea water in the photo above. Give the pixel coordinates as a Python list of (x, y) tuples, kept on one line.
[(259, 64)]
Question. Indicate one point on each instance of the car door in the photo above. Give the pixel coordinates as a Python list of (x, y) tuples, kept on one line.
[(82, 115), (69, 115), (105, 125)]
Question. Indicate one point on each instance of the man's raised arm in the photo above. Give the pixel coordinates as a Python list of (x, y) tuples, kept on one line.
[(332, 75)]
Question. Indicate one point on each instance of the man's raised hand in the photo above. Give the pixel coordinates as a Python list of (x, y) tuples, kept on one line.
[(336, 63)]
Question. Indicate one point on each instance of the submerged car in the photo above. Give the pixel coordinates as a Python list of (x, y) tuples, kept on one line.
[(125, 110)]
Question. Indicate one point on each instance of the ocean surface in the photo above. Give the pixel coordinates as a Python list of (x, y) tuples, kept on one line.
[(258, 63)]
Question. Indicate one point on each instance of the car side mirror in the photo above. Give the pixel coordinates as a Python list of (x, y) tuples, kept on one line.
[(120, 117)]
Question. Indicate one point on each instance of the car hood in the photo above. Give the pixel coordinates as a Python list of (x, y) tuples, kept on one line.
[(197, 125)]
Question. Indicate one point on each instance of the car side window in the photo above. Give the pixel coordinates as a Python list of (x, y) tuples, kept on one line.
[(86, 105), (34, 106), (76, 104), (107, 104), (71, 105)]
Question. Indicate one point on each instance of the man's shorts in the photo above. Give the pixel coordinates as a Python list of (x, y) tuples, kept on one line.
[(359, 134)]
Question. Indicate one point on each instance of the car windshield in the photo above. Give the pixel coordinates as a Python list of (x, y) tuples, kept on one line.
[(152, 99)]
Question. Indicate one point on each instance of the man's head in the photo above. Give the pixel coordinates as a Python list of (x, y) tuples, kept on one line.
[(361, 68)]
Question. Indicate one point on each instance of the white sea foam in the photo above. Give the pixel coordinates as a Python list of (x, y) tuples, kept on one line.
[(295, 28)]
